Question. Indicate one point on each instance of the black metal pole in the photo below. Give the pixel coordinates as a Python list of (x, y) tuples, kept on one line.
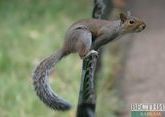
[(87, 95)]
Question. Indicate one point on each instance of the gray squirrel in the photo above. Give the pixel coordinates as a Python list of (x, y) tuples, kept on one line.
[(83, 37)]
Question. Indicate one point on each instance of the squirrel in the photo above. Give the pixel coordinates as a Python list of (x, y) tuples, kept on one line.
[(82, 37)]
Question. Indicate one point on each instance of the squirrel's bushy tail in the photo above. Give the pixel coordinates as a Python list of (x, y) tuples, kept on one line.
[(42, 87)]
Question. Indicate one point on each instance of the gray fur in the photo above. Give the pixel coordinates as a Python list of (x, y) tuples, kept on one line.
[(42, 87)]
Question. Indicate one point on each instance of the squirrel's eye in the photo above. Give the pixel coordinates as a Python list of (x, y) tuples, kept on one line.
[(131, 22)]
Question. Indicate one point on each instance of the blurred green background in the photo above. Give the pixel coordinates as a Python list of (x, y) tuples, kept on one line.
[(31, 30)]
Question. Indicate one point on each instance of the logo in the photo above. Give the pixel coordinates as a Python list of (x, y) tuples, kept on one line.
[(148, 110)]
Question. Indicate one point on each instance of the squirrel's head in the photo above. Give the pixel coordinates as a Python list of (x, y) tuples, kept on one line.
[(131, 24)]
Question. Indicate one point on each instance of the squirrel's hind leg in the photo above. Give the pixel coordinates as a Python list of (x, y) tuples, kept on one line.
[(84, 42)]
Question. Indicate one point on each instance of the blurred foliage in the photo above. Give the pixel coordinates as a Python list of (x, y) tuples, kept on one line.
[(31, 30)]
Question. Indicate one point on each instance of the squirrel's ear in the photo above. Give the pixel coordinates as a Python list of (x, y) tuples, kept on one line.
[(128, 13), (123, 17)]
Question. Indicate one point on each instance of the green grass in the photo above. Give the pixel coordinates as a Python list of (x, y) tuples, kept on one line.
[(29, 31)]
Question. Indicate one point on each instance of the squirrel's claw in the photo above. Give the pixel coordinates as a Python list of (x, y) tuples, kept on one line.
[(90, 53)]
